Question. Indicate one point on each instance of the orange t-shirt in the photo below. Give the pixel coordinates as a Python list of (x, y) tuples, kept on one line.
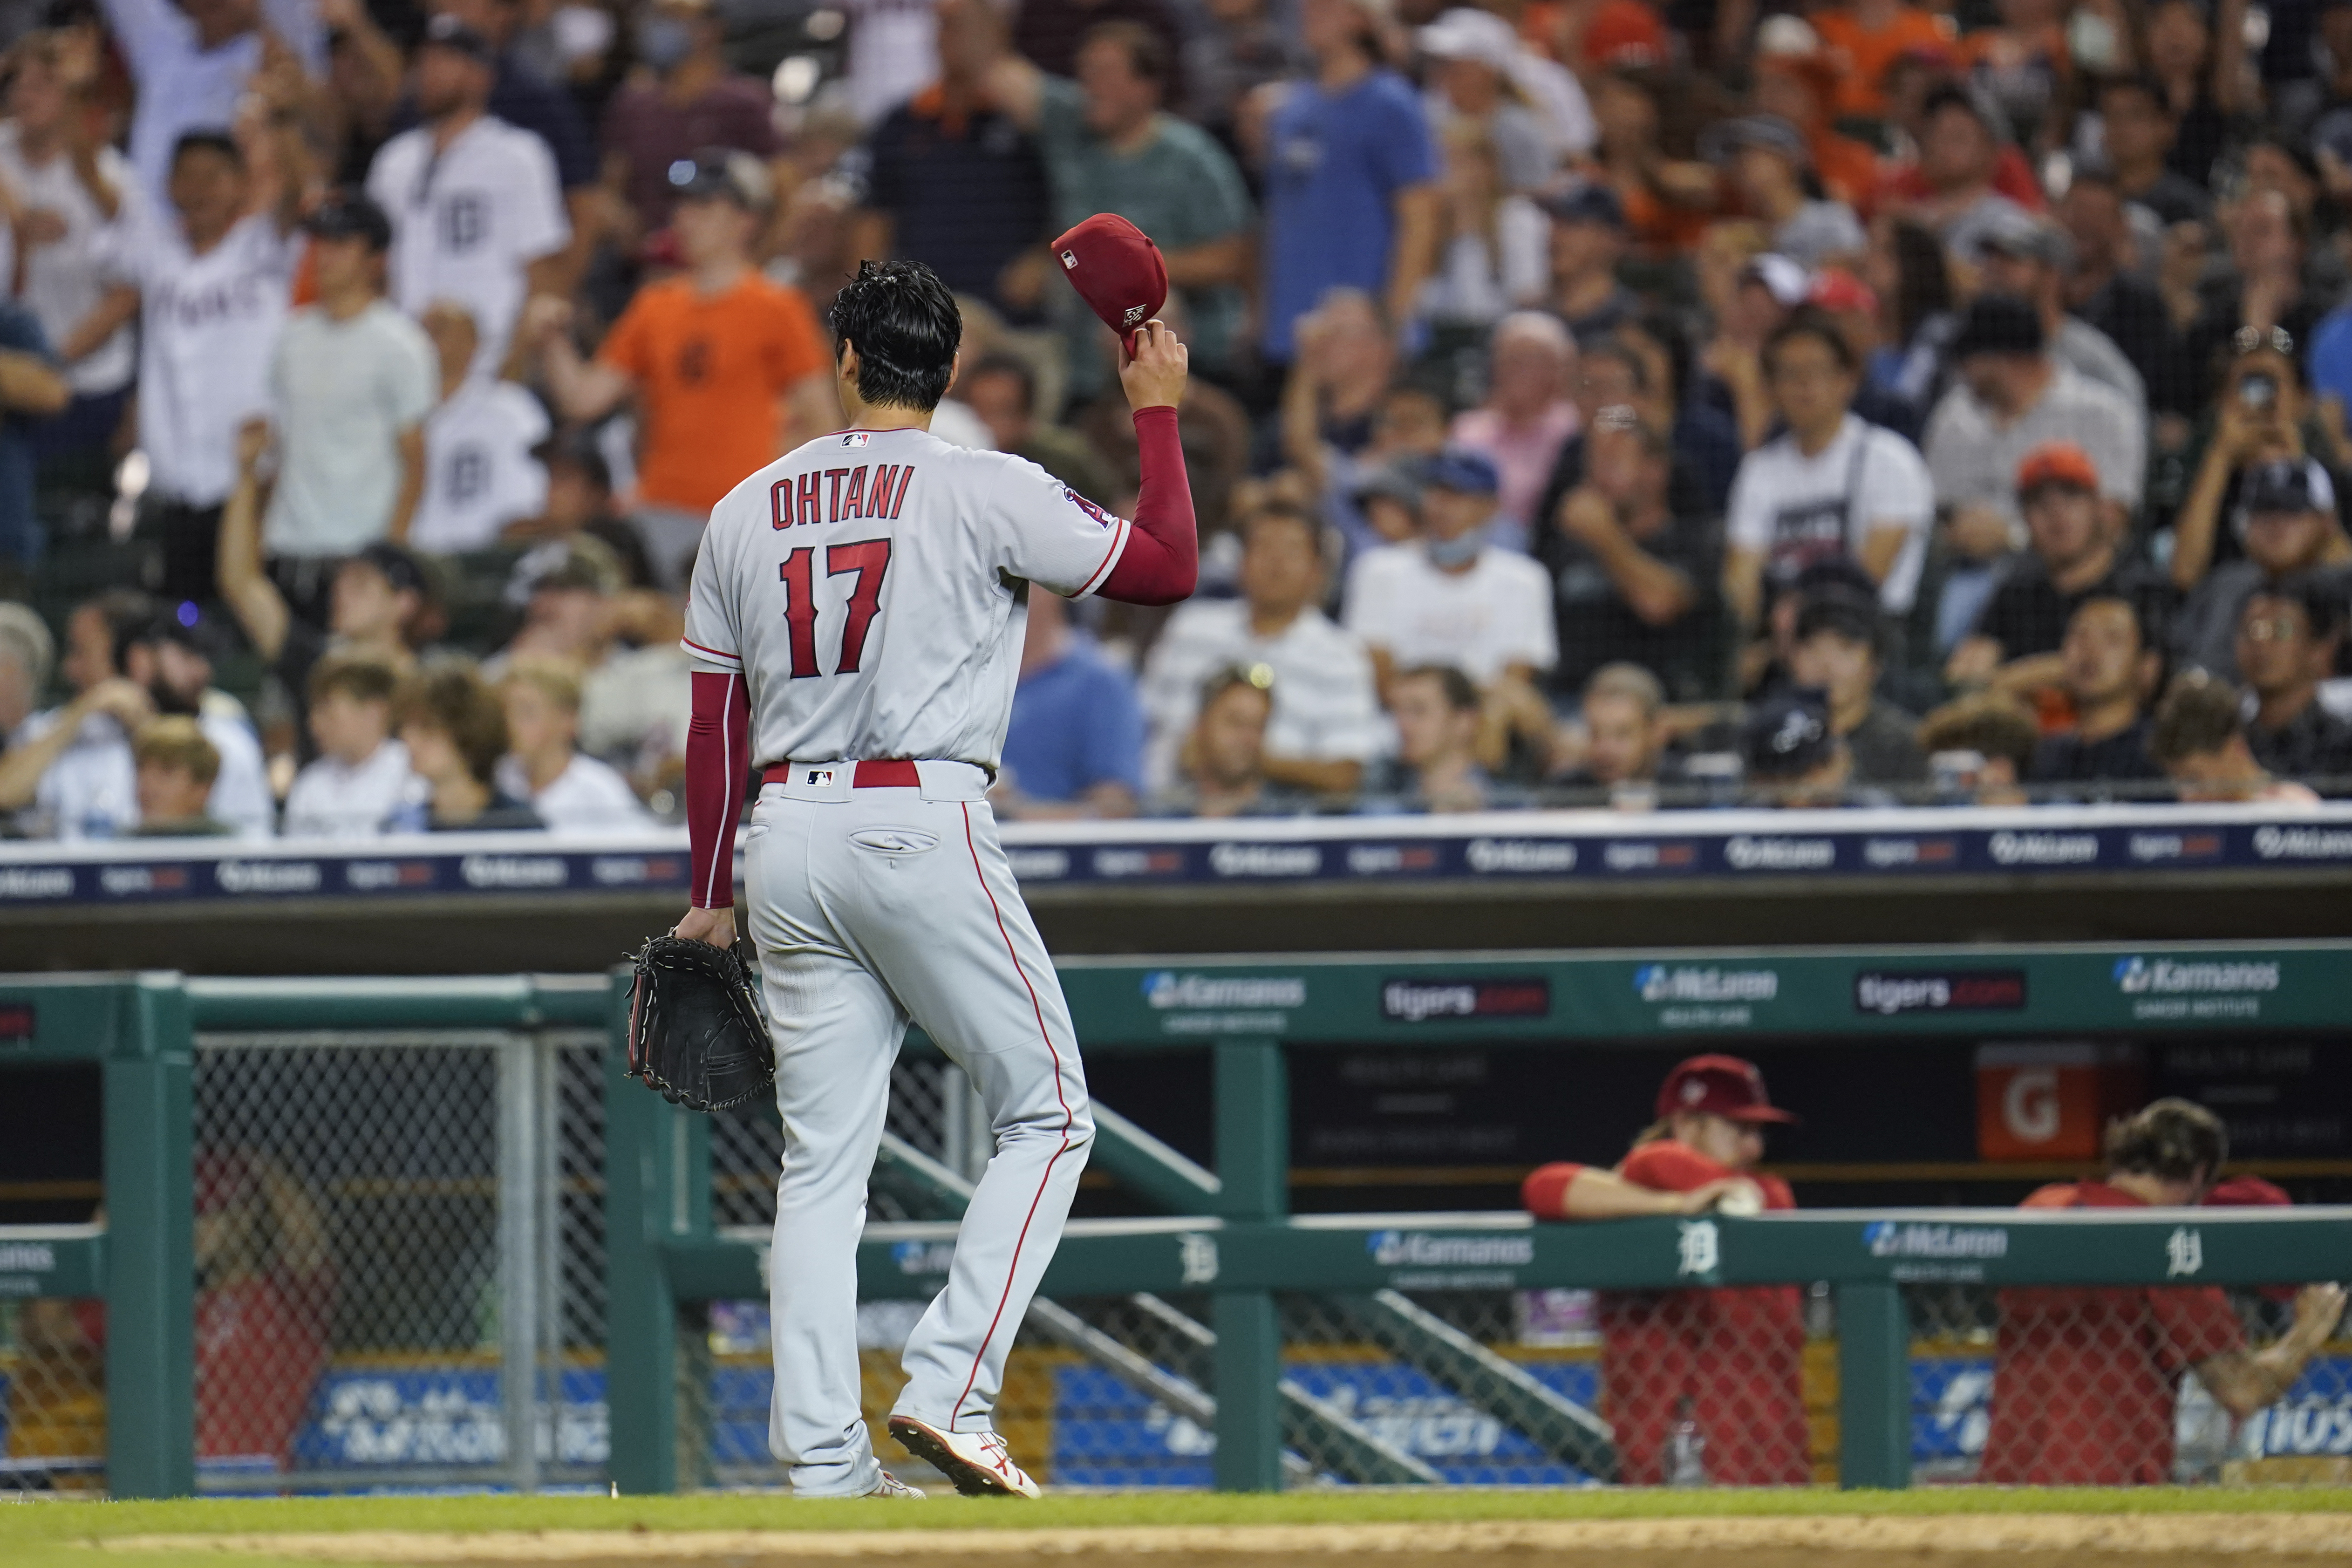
[(711, 373), (1867, 55)]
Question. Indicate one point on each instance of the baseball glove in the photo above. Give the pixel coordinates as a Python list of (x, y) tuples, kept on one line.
[(697, 1032)]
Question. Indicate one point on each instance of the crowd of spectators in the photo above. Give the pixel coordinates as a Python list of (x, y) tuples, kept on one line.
[(1592, 401)]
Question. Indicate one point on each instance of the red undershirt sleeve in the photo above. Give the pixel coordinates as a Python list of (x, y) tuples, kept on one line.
[(1545, 1192), (1162, 558), (717, 756)]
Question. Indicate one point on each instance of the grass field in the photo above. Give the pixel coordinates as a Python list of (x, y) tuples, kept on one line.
[(1956, 1525)]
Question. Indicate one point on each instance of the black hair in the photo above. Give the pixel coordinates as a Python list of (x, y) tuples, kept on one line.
[(1923, 286), (1013, 365), (906, 329), (1461, 693), (2144, 84), (2173, 1139), (1146, 51), (2320, 596), (1810, 321), (208, 140), (1661, 327), (1624, 353), (128, 613), (1952, 95), (2146, 604)]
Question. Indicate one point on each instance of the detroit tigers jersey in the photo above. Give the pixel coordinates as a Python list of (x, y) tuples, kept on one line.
[(870, 587), (466, 220)]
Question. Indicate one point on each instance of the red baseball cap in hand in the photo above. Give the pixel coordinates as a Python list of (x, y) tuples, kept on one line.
[(1717, 1086), (1116, 270)]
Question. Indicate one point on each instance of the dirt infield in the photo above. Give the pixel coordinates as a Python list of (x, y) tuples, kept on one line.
[(2023, 1541)]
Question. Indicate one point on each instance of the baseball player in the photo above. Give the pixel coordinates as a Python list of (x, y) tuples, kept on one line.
[(856, 627)]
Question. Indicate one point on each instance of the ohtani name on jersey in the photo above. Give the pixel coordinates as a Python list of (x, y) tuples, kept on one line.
[(838, 495)]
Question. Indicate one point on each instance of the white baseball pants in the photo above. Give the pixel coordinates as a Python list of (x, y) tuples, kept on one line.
[(871, 908)]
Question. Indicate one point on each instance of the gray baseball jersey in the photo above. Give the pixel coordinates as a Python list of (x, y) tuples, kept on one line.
[(868, 589), (868, 585)]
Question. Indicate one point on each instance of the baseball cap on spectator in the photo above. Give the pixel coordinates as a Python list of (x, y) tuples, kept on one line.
[(2286, 484), (1836, 289), (1590, 202), (1465, 35), (2056, 463), (1955, 94), (1625, 33), (400, 568), (1463, 471), (582, 562), (1399, 480), (446, 32), (1718, 1085), (349, 214), (1841, 610), (1785, 38), (1999, 325), (1785, 277), (726, 172), (2017, 233), (1789, 735), (1770, 132), (1834, 575)]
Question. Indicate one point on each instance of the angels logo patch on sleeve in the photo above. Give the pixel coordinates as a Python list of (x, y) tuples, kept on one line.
[(1102, 518)]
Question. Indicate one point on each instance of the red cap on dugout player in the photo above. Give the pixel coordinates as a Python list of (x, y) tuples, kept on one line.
[(1721, 1086), (1116, 269)]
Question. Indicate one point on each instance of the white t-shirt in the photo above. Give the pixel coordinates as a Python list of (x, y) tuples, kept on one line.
[(1481, 621), (64, 279), (480, 474), (467, 221), (1325, 706), (588, 796), (1797, 509), (183, 86), (91, 790), (893, 54), (869, 586), (337, 800), (344, 392), (209, 327)]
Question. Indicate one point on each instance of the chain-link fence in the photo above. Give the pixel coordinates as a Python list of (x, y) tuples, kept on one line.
[(400, 1258), (1565, 1387), (52, 1395)]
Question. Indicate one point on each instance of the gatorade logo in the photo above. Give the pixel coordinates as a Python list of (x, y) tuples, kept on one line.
[(2028, 1105)]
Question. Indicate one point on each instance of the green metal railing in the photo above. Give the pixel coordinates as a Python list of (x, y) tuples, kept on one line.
[(1227, 1233), (1231, 1233)]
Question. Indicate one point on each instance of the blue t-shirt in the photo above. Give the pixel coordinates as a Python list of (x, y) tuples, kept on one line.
[(20, 535), (1335, 165), (1076, 724), (2331, 353)]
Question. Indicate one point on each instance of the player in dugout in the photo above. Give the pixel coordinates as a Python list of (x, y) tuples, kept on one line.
[(1701, 1386), (2084, 1381)]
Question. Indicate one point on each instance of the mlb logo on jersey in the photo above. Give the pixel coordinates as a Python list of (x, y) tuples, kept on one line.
[(857, 438)]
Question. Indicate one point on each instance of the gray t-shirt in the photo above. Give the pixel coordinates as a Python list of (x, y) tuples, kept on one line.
[(1973, 459), (344, 392)]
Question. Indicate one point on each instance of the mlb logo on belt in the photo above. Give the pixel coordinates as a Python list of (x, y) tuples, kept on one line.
[(818, 778)]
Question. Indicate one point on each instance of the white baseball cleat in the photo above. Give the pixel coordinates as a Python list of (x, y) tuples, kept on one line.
[(891, 1485), (977, 1462)]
